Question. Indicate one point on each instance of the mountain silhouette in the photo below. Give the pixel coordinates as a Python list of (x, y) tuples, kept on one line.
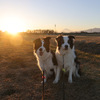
[(66, 30), (92, 30)]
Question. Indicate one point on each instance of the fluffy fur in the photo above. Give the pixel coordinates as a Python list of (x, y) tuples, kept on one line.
[(46, 59), (65, 51)]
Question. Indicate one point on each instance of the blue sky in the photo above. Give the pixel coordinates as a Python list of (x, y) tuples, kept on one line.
[(74, 15)]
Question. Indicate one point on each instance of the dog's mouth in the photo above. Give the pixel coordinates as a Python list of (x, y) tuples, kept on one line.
[(66, 49), (41, 53)]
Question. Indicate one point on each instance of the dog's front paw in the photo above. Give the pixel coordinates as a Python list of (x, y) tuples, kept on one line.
[(55, 81), (69, 80)]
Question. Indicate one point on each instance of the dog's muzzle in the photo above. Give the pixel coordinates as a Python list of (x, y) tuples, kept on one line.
[(66, 47), (41, 51)]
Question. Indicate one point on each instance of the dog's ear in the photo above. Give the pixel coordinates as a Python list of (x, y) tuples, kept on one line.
[(47, 43), (36, 41), (47, 39), (71, 41), (58, 38), (71, 37)]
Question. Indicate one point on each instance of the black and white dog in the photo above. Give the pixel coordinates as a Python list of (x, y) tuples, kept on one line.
[(66, 51), (45, 57)]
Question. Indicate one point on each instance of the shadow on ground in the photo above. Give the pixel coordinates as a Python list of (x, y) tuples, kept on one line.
[(91, 47)]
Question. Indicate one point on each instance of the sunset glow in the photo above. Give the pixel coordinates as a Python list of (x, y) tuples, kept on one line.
[(67, 15), (13, 25)]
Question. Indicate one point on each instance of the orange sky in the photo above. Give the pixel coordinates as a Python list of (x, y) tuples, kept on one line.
[(73, 15)]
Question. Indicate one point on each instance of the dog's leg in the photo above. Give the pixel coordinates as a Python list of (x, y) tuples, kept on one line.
[(57, 75), (70, 76), (55, 70), (77, 70), (77, 74)]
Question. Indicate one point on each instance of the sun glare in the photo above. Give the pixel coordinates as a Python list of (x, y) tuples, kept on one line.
[(13, 25)]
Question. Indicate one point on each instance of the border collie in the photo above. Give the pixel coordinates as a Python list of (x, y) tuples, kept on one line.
[(45, 57), (65, 52)]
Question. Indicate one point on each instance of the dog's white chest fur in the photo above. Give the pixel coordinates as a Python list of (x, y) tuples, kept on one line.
[(46, 64), (67, 59)]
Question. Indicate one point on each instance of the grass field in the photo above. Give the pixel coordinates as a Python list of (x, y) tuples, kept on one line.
[(20, 78)]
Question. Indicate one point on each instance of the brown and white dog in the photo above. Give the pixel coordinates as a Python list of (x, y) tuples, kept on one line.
[(45, 57), (66, 51)]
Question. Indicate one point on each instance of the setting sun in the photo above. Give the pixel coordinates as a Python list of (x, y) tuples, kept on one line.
[(13, 25)]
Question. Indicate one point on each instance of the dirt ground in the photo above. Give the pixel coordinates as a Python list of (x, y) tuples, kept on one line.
[(20, 78)]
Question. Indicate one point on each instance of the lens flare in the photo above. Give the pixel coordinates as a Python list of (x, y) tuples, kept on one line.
[(13, 25), (16, 40)]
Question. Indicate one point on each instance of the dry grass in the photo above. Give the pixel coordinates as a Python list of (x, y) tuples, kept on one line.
[(20, 77)]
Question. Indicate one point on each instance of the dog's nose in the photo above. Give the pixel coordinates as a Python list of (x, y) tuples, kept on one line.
[(40, 49), (66, 46)]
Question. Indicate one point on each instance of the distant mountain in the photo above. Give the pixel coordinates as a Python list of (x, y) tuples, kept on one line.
[(92, 30), (66, 30)]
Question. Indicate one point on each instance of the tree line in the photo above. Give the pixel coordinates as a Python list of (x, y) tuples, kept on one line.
[(39, 31)]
